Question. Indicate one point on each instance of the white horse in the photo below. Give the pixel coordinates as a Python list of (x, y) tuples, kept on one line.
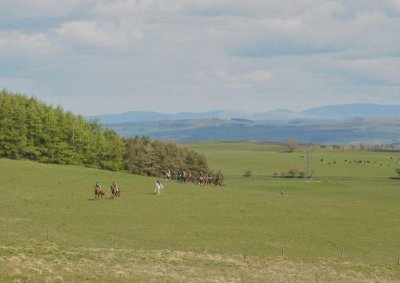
[(159, 188)]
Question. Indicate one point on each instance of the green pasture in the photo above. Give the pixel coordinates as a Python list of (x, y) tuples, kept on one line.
[(347, 209), (265, 159)]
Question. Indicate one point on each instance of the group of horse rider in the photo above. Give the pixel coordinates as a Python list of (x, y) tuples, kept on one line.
[(182, 176), (202, 179), (115, 191)]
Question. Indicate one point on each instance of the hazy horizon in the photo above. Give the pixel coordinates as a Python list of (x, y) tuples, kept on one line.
[(97, 57), (249, 112)]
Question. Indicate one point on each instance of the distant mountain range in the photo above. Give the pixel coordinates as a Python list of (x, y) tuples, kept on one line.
[(324, 113), (147, 116), (338, 124), (352, 131)]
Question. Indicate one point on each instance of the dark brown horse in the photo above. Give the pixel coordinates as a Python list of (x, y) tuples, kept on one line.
[(98, 192)]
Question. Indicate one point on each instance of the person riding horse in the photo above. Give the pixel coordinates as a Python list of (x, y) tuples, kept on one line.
[(181, 176), (189, 177), (98, 192), (201, 178), (159, 187), (168, 176), (115, 191), (218, 181)]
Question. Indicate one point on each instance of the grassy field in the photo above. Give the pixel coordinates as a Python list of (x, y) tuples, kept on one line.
[(52, 230)]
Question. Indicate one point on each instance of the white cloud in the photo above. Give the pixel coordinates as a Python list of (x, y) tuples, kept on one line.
[(380, 71), (91, 34), (279, 52), (131, 7), (17, 43), (396, 4), (256, 76), (291, 25), (243, 80), (40, 8)]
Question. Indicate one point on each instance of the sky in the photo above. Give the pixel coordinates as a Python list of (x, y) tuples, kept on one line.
[(111, 56)]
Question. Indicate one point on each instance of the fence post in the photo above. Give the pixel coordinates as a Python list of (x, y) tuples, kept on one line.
[(283, 252), (342, 255)]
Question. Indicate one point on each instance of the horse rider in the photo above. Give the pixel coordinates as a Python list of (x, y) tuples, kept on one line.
[(169, 175), (217, 180), (97, 188), (114, 187), (201, 178), (159, 187)]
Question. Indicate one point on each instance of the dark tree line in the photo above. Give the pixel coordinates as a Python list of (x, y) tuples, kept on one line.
[(154, 158), (30, 129)]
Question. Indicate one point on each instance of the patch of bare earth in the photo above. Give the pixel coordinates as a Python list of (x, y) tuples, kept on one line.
[(47, 262)]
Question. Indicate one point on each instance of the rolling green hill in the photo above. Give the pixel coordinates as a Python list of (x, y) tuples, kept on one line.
[(52, 229)]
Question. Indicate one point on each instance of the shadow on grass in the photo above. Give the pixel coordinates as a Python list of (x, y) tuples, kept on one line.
[(106, 198), (394, 178)]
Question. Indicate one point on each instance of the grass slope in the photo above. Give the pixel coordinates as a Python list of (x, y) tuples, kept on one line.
[(47, 213)]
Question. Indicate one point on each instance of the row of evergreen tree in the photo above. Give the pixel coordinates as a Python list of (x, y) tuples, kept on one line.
[(30, 129)]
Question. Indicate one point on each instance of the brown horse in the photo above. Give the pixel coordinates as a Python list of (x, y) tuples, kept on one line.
[(98, 193), (115, 191)]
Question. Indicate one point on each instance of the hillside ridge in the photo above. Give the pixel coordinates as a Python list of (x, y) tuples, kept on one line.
[(329, 112)]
